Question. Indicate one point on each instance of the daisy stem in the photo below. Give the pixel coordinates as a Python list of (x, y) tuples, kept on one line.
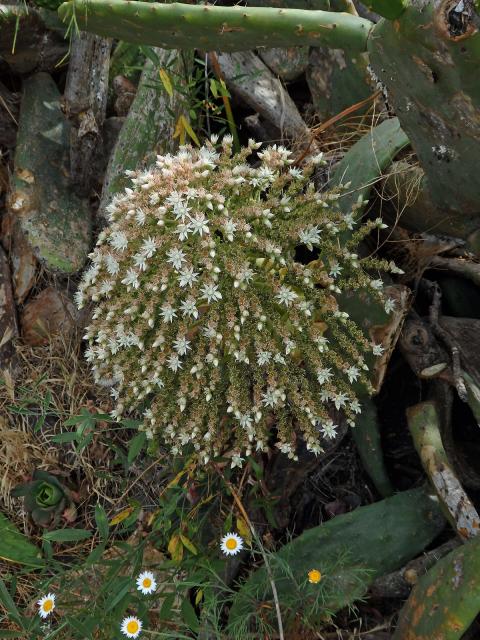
[(239, 504)]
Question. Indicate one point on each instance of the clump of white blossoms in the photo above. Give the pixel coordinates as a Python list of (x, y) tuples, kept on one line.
[(204, 316)]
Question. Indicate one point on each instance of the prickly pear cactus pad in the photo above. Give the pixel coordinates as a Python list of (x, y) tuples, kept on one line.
[(205, 319)]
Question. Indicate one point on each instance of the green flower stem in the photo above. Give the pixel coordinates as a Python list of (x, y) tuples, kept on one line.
[(178, 25)]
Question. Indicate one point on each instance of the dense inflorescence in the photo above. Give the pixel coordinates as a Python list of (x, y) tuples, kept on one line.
[(204, 317)]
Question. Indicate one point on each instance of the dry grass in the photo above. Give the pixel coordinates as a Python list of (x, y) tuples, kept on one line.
[(52, 383)]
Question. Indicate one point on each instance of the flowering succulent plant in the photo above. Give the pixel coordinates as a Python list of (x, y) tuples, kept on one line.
[(204, 315)]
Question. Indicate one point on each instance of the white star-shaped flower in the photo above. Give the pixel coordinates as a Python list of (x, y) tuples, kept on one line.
[(295, 173), (188, 308), (140, 261), (199, 224), (389, 305), (119, 240), (309, 237), (209, 332), (324, 375), (149, 246), (173, 363), (112, 265), (210, 292), (174, 198), (271, 397), (328, 429), (181, 345), (335, 269), (352, 373), (290, 345), (187, 277), (355, 406), (376, 284), (286, 296), (140, 216), (181, 211), (340, 400), (131, 279), (245, 419), (230, 228), (264, 357), (377, 349), (176, 257), (183, 231), (168, 313)]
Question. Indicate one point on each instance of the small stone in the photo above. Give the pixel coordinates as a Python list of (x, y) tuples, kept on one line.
[(50, 314)]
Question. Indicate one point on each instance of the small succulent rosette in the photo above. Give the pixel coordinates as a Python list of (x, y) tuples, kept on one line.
[(45, 498)]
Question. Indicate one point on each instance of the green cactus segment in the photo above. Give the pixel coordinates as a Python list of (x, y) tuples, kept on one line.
[(150, 122), (390, 9), (367, 439), (55, 223), (323, 5), (337, 80), (178, 26), (364, 163), (424, 425), (430, 69), (473, 395), (378, 538), (446, 600), (15, 547)]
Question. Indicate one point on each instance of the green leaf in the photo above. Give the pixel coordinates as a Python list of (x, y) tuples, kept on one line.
[(15, 547), (136, 445), (189, 616), (85, 419), (67, 436), (124, 585), (67, 535), (85, 625), (7, 601), (102, 521), (149, 53), (213, 87), (39, 424), (166, 609), (96, 554)]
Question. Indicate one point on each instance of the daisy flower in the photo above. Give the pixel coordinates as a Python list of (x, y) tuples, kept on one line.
[(314, 576), (231, 544), (131, 627), (46, 605), (146, 583)]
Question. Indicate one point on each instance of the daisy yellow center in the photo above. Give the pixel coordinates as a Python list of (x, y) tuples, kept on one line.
[(147, 583), (132, 626), (231, 544), (314, 576), (48, 605)]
